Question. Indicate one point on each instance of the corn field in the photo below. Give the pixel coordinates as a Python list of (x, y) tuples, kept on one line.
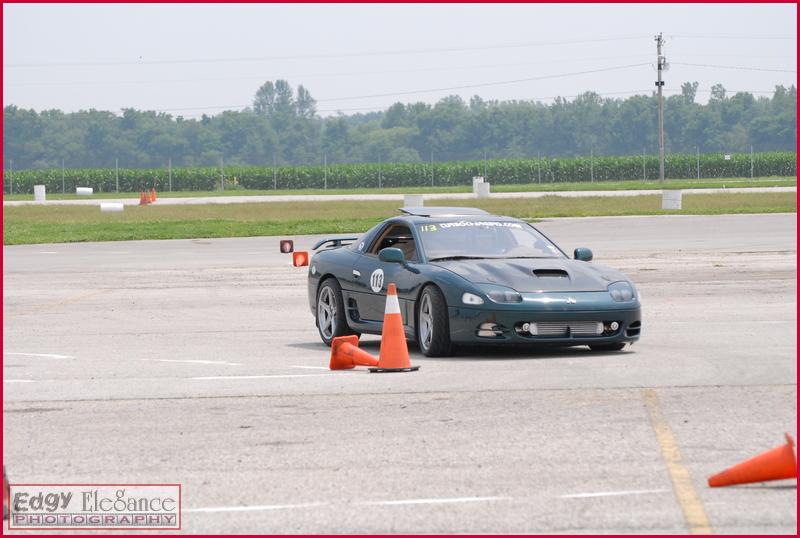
[(372, 175)]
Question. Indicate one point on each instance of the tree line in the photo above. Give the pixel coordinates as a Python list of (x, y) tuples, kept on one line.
[(283, 127)]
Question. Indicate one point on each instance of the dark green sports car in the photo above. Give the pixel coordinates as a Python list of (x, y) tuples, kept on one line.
[(466, 277)]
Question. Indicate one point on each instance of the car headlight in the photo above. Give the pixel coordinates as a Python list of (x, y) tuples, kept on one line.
[(471, 298), (622, 291), (501, 294)]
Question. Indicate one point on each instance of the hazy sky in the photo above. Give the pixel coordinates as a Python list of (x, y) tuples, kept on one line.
[(190, 59)]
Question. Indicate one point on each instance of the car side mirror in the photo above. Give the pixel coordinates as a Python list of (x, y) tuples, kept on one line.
[(392, 255), (583, 254)]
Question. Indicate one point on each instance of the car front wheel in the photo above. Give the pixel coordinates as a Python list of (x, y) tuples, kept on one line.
[(433, 328), (331, 320)]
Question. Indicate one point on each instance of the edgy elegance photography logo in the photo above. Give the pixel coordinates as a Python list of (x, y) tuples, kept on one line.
[(95, 506)]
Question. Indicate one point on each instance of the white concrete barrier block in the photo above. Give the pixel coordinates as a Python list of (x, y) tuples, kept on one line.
[(84, 191), (39, 193), (111, 207), (671, 199), (483, 190), (476, 180), (413, 200)]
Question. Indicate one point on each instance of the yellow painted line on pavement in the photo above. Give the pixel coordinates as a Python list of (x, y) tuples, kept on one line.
[(687, 496)]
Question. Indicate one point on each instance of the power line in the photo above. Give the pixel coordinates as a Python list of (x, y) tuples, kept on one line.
[(329, 74), (329, 55), (739, 67), (736, 37), (431, 90)]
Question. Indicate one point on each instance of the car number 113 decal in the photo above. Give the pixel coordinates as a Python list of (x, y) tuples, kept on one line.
[(376, 280)]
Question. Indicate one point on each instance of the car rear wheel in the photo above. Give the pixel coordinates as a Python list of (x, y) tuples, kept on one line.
[(433, 327), (607, 347), (331, 319)]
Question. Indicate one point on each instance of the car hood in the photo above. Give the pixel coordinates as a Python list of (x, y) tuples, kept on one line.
[(535, 275)]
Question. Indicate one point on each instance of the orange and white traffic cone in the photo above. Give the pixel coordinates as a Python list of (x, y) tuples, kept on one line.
[(300, 258), (776, 464), (153, 197), (142, 201), (345, 354), (394, 349)]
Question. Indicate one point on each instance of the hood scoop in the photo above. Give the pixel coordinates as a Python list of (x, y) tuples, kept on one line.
[(550, 273)]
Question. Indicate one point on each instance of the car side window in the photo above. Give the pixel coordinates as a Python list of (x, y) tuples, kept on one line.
[(396, 236)]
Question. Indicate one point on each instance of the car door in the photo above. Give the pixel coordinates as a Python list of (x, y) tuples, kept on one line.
[(371, 276)]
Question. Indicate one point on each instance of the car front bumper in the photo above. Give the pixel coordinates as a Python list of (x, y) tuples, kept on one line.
[(466, 326)]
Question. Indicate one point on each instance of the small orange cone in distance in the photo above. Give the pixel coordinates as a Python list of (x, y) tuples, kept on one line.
[(775, 464), (287, 246), (153, 197), (300, 258), (394, 349), (345, 354), (141, 198)]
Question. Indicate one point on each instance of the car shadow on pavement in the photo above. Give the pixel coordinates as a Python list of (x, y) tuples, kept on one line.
[(473, 353)]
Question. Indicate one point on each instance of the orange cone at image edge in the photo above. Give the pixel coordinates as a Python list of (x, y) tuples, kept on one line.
[(776, 464), (345, 354), (394, 350), (153, 197)]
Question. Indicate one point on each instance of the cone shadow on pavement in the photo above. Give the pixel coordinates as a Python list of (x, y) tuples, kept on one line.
[(776, 464), (394, 349)]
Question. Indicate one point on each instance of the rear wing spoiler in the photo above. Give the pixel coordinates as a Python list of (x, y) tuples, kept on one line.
[(335, 242)]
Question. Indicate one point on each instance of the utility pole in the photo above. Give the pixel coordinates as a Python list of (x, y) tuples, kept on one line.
[(539, 164), (431, 169), (644, 164), (697, 150), (660, 85), (222, 172)]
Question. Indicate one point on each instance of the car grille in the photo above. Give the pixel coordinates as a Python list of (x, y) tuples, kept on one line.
[(562, 328)]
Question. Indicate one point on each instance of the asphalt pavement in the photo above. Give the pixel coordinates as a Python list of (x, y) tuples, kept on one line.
[(197, 362)]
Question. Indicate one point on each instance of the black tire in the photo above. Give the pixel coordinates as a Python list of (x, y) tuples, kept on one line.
[(330, 294), (433, 324), (607, 347)]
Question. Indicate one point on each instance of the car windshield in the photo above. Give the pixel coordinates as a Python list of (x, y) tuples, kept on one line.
[(465, 239)]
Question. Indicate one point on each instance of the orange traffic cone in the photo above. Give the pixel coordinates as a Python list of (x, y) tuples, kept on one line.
[(142, 201), (775, 464), (394, 350), (345, 354), (300, 258), (153, 197)]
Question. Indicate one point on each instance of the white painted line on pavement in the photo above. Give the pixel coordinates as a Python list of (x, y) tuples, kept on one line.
[(612, 493), (216, 377), (190, 361), (41, 355), (18, 381), (433, 501), (254, 508)]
